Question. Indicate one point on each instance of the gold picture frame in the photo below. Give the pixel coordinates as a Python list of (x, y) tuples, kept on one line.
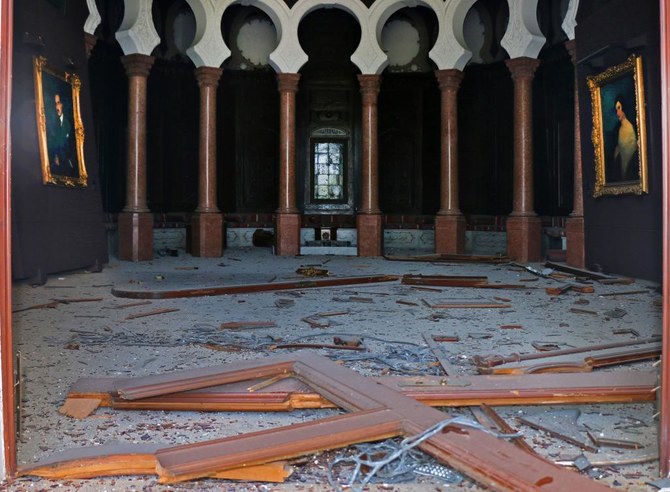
[(619, 129), (60, 131)]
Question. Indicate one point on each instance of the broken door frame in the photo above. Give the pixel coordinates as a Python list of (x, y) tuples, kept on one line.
[(8, 439), (664, 429), (375, 412)]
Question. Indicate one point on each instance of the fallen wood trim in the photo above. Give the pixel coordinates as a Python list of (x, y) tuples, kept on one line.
[(496, 360), (289, 394), (505, 428), (134, 459), (450, 258), (251, 288), (580, 362), (559, 435), (448, 368), (578, 272), (467, 305), (378, 412), (474, 282), (55, 303), (151, 313)]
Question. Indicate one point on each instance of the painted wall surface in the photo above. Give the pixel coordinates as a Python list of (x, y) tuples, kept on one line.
[(623, 233), (55, 228)]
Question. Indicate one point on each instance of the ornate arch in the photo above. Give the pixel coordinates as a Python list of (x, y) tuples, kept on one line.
[(523, 37), (137, 33)]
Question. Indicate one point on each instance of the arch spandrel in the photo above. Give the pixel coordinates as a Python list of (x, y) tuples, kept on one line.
[(137, 34), (450, 50), (208, 48), (523, 37), (570, 21), (93, 20)]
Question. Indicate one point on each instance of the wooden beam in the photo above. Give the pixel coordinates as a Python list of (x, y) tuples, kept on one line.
[(252, 288), (6, 333), (664, 432), (377, 412), (289, 393)]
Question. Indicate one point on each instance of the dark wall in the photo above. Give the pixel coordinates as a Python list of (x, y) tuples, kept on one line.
[(55, 228), (623, 233)]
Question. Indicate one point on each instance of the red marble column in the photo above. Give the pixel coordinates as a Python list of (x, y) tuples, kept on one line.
[(207, 222), (449, 222), (135, 222), (524, 227), (574, 225), (287, 227), (369, 218)]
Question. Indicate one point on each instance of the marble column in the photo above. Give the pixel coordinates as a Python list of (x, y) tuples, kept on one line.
[(369, 217), (287, 228), (524, 227), (574, 225), (449, 222), (135, 222), (207, 222)]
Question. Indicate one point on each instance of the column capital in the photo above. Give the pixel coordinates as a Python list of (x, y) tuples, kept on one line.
[(288, 82), (89, 41), (208, 76), (522, 67), (449, 79), (571, 46), (137, 64), (369, 84)]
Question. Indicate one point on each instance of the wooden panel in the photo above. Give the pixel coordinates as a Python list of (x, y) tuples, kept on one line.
[(6, 333)]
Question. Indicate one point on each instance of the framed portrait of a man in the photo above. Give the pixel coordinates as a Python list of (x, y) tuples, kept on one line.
[(60, 132), (619, 131)]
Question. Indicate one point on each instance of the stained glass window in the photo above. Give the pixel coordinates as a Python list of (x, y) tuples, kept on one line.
[(328, 161)]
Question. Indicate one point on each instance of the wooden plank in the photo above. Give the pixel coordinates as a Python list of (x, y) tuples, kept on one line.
[(252, 288), (378, 412), (116, 460), (289, 394), (80, 408), (577, 272), (448, 368), (579, 362), (151, 313), (496, 360)]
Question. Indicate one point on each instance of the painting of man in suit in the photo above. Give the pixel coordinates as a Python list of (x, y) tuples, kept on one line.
[(60, 141), (60, 131)]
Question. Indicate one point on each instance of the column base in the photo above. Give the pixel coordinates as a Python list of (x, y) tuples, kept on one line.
[(449, 234), (287, 234), (370, 234), (207, 234), (136, 236), (574, 232), (524, 238)]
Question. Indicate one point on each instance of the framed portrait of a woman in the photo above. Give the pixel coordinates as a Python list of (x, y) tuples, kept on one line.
[(619, 131)]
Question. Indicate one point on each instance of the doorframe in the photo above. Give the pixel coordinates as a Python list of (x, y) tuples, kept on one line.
[(664, 429), (6, 330)]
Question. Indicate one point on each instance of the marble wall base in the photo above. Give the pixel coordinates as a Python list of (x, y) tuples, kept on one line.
[(574, 232), (207, 235), (288, 234), (524, 238), (369, 228), (136, 234), (449, 234)]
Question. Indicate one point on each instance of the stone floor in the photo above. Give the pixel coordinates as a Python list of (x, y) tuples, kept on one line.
[(59, 345)]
